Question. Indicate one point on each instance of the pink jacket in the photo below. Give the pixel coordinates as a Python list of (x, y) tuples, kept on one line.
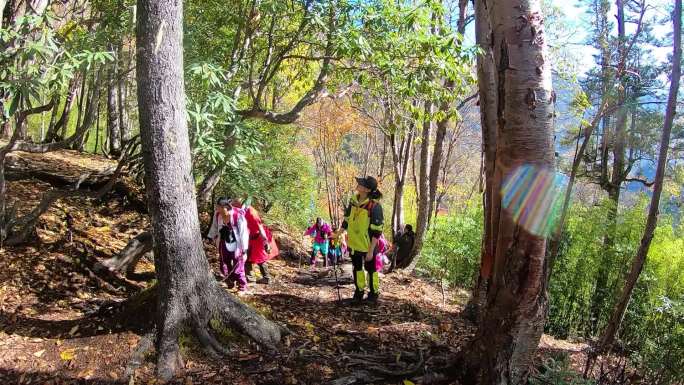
[(318, 234)]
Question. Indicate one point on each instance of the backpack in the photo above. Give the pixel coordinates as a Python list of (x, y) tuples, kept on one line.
[(227, 233), (380, 253)]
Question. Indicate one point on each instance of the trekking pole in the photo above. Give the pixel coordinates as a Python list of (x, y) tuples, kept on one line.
[(300, 254), (337, 282)]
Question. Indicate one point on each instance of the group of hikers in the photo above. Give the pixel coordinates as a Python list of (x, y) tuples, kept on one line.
[(243, 240)]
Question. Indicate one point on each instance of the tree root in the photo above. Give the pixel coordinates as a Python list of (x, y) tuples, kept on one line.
[(125, 261), (375, 366), (145, 345), (209, 343)]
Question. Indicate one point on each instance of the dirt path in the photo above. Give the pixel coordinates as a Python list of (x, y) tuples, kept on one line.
[(50, 332)]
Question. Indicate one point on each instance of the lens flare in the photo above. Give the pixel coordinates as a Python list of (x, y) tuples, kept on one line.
[(534, 196)]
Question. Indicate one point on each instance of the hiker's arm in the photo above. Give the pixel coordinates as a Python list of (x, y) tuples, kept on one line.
[(376, 221), (262, 232), (373, 244)]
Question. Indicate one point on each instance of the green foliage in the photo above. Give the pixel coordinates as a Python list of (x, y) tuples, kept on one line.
[(452, 248), (556, 371), (407, 52), (281, 182), (652, 329)]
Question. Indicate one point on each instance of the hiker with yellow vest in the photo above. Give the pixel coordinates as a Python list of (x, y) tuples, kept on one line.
[(363, 220)]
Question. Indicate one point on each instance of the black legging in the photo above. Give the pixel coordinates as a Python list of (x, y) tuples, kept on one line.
[(358, 264), (262, 267)]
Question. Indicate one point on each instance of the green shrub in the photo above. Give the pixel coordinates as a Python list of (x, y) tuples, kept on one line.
[(452, 248)]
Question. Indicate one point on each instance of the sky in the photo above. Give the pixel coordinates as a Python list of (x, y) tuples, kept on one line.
[(576, 16)]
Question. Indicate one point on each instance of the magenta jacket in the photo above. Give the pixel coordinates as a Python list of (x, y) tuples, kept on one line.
[(318, 235)]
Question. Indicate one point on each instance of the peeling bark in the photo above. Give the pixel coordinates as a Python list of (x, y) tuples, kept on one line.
[(512, 319)]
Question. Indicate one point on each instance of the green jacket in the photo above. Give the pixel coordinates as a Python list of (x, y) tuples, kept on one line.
[(363, 221)]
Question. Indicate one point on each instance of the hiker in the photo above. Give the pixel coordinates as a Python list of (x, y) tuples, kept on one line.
[(261, 246), (338, 246), (321, 233), (403, 244), (229, 232), (380, 254), (363, 220)]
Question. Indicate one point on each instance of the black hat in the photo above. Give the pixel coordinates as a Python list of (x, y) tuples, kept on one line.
[(368, 182)]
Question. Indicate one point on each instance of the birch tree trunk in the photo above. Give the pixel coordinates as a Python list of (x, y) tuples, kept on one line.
[(512, 319)]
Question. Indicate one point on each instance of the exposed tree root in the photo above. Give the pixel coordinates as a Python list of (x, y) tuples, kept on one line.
[(125, 261), (145, 345)]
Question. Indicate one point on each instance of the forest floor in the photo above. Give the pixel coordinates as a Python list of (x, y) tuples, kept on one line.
[(52, 333)]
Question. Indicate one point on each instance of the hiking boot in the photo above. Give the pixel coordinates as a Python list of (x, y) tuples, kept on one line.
[(264, 281), (357, 299), (229, 283), (249, 278), (372, 298)]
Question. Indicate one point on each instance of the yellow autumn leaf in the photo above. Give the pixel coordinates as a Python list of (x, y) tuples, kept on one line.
[(407, 382), (68, 354), (309, 326)]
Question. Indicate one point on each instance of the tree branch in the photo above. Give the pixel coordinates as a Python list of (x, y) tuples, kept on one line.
[(644, 182), (80, 131)]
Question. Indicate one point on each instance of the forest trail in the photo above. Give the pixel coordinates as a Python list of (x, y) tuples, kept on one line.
[(51, 331)]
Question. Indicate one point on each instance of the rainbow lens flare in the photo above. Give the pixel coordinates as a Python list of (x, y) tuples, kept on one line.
[(534, 196)]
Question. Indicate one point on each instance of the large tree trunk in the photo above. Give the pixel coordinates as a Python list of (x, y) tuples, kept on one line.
[(487, 92), (511, 322), (188, 294), (608, 336)]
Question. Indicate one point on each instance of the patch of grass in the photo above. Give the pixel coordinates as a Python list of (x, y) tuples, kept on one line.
[(556, 371), (225, 334)]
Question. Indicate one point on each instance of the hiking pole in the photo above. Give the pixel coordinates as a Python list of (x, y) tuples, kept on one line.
[(300, 254), (337, 282)]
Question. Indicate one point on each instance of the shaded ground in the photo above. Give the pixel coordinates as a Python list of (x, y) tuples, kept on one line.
[(51, 333)]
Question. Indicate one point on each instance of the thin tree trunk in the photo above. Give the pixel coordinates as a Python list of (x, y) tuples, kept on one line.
[(424, 187), (511, 322), (577, 160), (188, 295), (212, 179), (437, 151), (613, 326), (601, 290), (54, 130), (122, 93), (113, 114)]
